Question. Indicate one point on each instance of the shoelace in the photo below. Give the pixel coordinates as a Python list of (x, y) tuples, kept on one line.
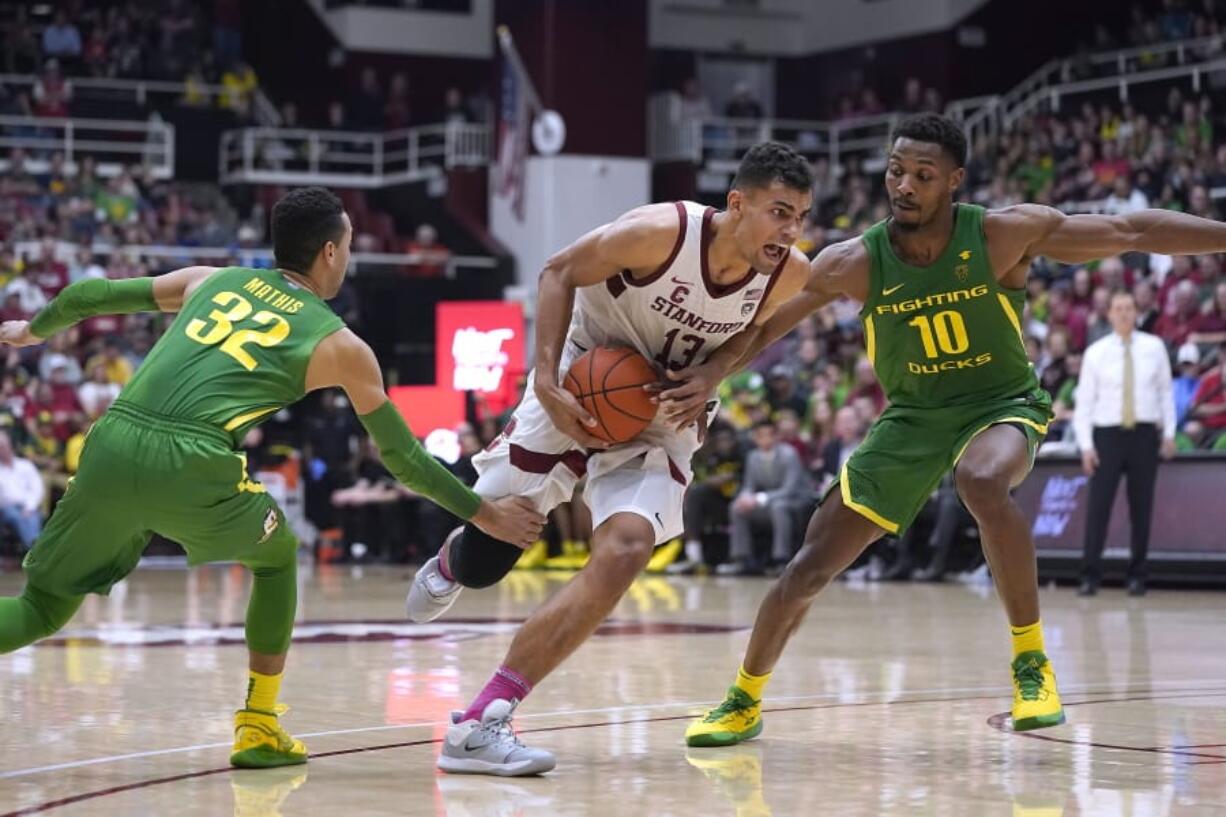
[(1029, 677), (503, 731), (733, 705)]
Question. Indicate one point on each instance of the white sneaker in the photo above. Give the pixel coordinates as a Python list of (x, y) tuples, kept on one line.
[(489, 746), (431, 594)]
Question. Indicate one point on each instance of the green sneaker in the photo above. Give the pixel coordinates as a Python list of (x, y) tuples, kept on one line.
[(737, 719)]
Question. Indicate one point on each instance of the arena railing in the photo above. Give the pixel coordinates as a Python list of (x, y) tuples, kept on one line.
[(113, 144), (140, 91), (165, 257), (983, 116), (717, 142), (349, 159)]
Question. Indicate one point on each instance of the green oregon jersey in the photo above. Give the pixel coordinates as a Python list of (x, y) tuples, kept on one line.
[(948, 333), (237, 352)]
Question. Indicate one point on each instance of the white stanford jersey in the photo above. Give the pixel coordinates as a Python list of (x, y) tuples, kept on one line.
[(676, 316)]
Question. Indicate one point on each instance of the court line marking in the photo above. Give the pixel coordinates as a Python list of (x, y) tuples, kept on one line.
[(77, 798), (610, 710), (1000, 722)]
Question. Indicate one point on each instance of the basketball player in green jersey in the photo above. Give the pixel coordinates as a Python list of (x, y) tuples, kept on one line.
[(163, 459), (943, 286)]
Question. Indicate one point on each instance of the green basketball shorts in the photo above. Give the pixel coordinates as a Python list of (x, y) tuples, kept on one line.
[(143, 473), (907, 452)]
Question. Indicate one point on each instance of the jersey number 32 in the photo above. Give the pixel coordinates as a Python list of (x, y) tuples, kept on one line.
[(234, 308)]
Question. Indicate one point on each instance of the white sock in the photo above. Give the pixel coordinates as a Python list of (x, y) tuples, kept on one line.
[(693, 550)]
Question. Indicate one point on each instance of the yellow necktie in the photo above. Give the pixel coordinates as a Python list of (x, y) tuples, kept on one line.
[(1128, 409)]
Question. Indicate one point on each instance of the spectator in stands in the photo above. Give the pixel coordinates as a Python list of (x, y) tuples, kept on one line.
[(1124, 418), (1125, 198), (782, 392), (695, 107), (118, 368), (1098, 324), (61, 39), (912, 96), (30, 296), (431, 257), (21, 494), (98, 392), (775, 491), (85, 265), (1210, 326), (96, 52), (743, 104), (717, 479), (396, 109), (52, 93), (59, 355), (366, 103), (1186, 381), (1177, 323), (454, 110), (848, 433), (50, 273), (1208, 407), (370, 508), (238, 85), (21, 50), (866, 386)]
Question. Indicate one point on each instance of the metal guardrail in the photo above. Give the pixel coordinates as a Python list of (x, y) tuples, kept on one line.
[(114, 144), (983, 116), (264, 255), (139, 91), (349, 159), (716, 141)]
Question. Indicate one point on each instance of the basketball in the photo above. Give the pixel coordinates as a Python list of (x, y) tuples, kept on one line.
[(608, 383)]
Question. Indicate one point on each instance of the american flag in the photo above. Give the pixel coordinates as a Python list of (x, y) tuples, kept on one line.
[(514, 128)]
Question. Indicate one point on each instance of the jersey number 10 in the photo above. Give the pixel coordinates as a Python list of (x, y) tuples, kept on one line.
[(949, 330), (237, 308)]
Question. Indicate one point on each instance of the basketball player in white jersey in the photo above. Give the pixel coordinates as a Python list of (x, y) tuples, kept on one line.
[(675, 282)]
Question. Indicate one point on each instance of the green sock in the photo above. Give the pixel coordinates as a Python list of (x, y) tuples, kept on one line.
[(751, 685), (1027, 639)]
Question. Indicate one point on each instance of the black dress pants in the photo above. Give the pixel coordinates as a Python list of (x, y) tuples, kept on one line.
[(1132, 452)]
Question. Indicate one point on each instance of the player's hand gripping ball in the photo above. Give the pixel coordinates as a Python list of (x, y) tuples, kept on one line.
[(608, 382)]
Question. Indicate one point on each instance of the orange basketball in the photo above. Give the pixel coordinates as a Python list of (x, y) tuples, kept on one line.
[(608, 382)]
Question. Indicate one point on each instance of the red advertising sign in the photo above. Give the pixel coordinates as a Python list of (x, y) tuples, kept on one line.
[(479, 347)]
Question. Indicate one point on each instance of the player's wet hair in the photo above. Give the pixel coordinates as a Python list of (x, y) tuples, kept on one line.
[(937, 130), (768, 162), (302, 222)]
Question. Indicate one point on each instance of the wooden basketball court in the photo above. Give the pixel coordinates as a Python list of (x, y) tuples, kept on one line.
[(896, 705)]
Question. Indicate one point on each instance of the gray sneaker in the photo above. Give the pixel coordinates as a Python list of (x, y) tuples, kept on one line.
[(489, 746), (431, 594)]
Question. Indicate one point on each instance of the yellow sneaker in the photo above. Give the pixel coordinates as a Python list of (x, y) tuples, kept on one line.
[(1036, 703), (665, 555), (533, 557), (261, 743), (737, 719), (574, 556)]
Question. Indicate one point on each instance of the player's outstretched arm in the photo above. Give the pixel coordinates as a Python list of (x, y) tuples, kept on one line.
[(839, 269), (345, 360), (641, 239), (101, 296), (1029, 230)]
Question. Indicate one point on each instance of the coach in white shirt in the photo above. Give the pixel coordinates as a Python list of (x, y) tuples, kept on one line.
[(1124, 417)]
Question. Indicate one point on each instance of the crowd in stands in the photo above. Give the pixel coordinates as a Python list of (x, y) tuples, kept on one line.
[(197, 44)]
